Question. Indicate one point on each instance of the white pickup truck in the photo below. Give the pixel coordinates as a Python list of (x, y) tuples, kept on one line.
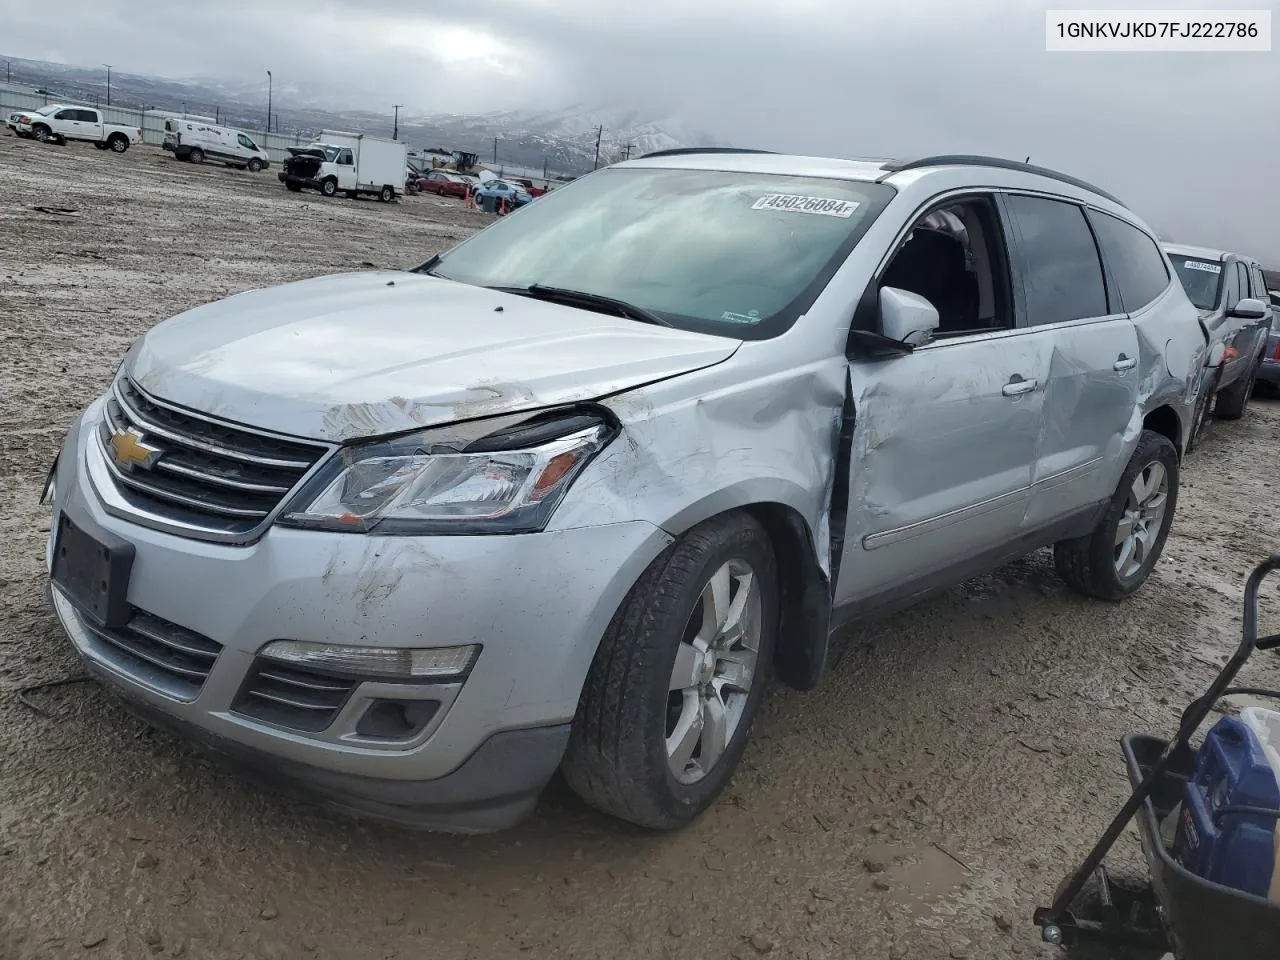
[(58, 123)]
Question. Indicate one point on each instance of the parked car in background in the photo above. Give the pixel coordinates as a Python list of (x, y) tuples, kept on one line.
[(1269, 369), (569, 494), (528, 185), (500, 190), (348, 163), (195, 140), (444, 183), (1231, 296), (58, 123)]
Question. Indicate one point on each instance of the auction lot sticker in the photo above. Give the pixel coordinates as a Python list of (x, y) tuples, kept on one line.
[(791, 203), (1206, 267)]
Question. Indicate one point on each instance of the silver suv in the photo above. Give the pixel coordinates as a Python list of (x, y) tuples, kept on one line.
[(1230, 293), (567, 495)]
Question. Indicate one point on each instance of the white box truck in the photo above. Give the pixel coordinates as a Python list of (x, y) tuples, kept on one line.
[(348, 163)]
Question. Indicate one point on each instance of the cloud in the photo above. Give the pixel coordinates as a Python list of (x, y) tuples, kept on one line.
[(1189, 140)]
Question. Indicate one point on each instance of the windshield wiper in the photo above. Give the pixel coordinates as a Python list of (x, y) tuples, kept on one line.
[(589, 301)]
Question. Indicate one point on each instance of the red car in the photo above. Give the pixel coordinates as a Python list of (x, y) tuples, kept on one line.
[(528, 186), (444, 183)]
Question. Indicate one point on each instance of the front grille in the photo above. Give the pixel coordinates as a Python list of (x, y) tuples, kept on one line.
[(208, 475), (300, 699), (158, 653)]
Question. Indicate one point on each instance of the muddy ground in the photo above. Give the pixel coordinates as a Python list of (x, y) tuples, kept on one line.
[(919, 805)]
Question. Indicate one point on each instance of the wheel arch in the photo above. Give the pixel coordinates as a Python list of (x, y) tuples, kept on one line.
[(1164, 420)]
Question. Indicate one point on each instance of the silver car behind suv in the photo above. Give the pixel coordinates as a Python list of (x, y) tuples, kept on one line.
[(1230, 293), (567, 495)]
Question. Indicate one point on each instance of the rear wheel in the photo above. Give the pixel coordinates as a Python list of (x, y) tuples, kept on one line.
[(667, 707), (1116, 559), (196, 155), (118, 143), (388, 194), (1234, 401), (329, 187), (254, 165)]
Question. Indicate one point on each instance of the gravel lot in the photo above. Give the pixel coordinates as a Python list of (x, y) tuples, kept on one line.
[(919, 805)]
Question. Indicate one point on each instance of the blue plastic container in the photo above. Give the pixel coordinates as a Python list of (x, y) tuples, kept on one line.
[(1215, 839)]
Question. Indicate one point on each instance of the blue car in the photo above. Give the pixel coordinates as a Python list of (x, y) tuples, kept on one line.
[(501, 190)]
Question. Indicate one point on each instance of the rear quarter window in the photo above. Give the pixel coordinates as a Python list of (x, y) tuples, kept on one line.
[(1134, 258)]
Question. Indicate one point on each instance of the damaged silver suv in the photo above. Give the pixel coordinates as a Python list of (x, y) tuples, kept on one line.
[(566, 496)]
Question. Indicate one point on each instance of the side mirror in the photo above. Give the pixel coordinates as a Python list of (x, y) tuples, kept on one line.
[(907, 317), (1248, 309)]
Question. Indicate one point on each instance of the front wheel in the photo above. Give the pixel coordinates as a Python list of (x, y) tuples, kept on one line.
[(43, 134), (1116, 559), (666, 710), (1234, 400), (329, 187), (254, 165)]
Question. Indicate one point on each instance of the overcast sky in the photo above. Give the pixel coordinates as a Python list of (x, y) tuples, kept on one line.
[(1190, 141)]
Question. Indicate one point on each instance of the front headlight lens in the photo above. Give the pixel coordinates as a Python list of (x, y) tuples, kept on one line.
[(403, 486)]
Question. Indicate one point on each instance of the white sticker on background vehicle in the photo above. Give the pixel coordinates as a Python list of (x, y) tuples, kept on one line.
[(752, 317), (791, 203), (1206, 267)]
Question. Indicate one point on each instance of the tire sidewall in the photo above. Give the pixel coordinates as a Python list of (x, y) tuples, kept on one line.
[(683, 801), (196, 156), (328, 188), (387, 195), (254, 166), (1151, 447)]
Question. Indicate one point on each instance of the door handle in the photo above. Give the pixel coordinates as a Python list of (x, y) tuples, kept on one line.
[(1124, 363), (1017, 387)]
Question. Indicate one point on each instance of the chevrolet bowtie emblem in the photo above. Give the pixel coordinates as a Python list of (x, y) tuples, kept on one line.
[(129, 450)]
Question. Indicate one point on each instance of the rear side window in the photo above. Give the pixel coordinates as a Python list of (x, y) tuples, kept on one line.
[(1135, 260), (88, 116), (1061, 272)]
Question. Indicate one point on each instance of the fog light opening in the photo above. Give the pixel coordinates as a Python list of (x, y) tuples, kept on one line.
[(396, 719)]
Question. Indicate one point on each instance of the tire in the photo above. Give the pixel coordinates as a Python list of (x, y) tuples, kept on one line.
[(100, 144), (118, 143), (1092, 565), (254, 165), (1234, 400), (1202, 424), (329, 187), (1133, 899), (43, 134), (619, 758), (387, 194), (196, 155)]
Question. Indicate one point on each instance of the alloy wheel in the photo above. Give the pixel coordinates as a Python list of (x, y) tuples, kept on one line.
[(713, 673), (1143, 518)]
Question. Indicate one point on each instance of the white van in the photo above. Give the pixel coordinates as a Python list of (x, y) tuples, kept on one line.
[(194, 139)]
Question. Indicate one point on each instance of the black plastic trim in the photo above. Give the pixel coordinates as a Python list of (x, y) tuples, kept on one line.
[(975, 160), (693, 151)]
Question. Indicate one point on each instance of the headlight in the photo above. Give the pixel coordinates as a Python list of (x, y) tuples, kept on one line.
[(442, 663), (509, 482)]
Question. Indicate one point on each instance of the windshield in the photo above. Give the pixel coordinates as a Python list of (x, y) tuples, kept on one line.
[(1200, 278), (736, 254), (45, 111), (330, 152)]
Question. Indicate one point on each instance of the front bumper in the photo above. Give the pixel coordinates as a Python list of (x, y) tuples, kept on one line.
[(537, 605), (308, 182)]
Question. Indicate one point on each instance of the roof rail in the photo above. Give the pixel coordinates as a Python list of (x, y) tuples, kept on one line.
[(969, 160), (684, 151)]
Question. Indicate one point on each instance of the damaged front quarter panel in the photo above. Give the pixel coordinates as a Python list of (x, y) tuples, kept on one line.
[(754, 438)]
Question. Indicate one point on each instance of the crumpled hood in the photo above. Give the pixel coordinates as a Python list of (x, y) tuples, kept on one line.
[(364, 354)]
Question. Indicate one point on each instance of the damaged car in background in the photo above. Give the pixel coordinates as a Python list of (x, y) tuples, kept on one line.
[(570, 494)]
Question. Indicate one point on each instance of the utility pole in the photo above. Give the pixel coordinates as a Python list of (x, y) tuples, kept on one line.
[(6, 71), (268, 101), (544, 168), (627, 155), (495, 151), (217, 114), (108, 66), (599, 134), (395, 132)]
